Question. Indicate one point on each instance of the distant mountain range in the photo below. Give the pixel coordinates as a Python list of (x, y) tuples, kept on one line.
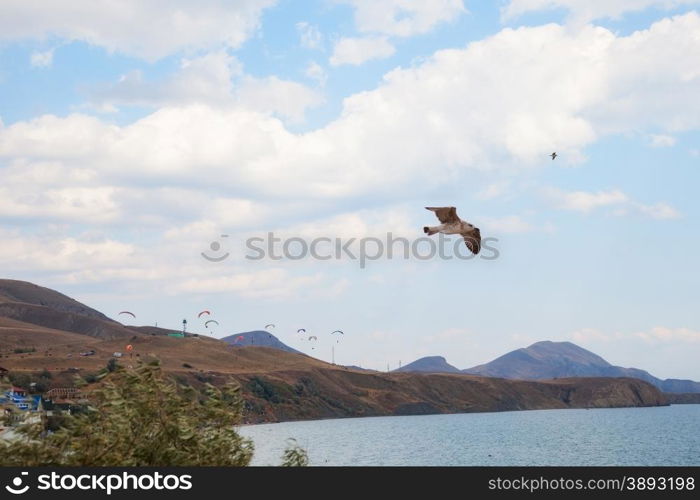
[(49, 323), (42, 330), (548, 360)]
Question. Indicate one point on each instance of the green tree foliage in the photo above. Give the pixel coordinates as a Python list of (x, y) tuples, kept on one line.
[(140, 418), (22, 380), (294, 456), (111, 365)]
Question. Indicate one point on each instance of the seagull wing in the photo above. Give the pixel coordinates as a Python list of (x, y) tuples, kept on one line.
[(473, 240), (445, 214)]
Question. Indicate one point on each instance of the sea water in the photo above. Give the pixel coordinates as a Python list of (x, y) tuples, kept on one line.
[(657, 436)]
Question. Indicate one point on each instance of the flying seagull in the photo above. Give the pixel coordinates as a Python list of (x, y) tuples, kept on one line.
[(452, 224), (554, 155)]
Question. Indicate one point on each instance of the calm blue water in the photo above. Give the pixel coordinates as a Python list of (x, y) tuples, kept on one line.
[(667, 435)]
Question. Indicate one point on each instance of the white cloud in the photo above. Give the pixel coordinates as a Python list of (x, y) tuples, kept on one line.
[(309, 35), (61, 255), (316, 72), (586, 202), (665, 334), (403, 17), (267, 283), (145, 29), (273, 95), (42, 59), (656, 211), (658, 334), (216, 79), (583, 11), (356, 51), (423, 127), (662, 141), (376, 223), (207, 79), (91, 205), (166, 265)]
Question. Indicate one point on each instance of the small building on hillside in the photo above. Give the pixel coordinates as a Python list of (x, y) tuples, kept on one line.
[(17, 392), (19, 397), (65, 399)]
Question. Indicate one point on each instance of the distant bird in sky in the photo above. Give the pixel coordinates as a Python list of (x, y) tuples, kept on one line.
[(452, 224), (554, 155)]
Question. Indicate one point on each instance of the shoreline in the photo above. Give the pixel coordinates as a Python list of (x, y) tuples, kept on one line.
[(461, 413)]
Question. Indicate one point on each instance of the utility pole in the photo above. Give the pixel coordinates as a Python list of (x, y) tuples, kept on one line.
[(184, 326)]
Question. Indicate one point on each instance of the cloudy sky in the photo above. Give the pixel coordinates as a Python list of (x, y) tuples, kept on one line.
[(134, 134)]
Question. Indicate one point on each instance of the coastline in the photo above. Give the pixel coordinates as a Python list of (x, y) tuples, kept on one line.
[(326, 394)]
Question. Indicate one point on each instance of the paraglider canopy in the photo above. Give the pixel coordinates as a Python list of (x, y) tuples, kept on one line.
[(338, 331), (206, 325), (301, 330), (130, 348), (204, 312), (269, 326), (129, 313), (314, 338)]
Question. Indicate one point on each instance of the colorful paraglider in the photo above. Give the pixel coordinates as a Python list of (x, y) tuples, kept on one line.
[(129, 348), (204, 312)]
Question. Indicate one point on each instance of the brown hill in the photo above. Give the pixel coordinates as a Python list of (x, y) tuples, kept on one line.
[(260, 338), (29, 293), (47, 317), (278, 385), (430, 364), (329, 393), (16, 334), (286, 386), (546, 359), (33, 304)]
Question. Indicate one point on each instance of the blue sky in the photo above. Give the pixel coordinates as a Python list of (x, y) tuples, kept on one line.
[(132, 138)]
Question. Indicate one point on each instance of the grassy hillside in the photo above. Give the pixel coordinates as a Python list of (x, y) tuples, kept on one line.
[(277, 385)]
